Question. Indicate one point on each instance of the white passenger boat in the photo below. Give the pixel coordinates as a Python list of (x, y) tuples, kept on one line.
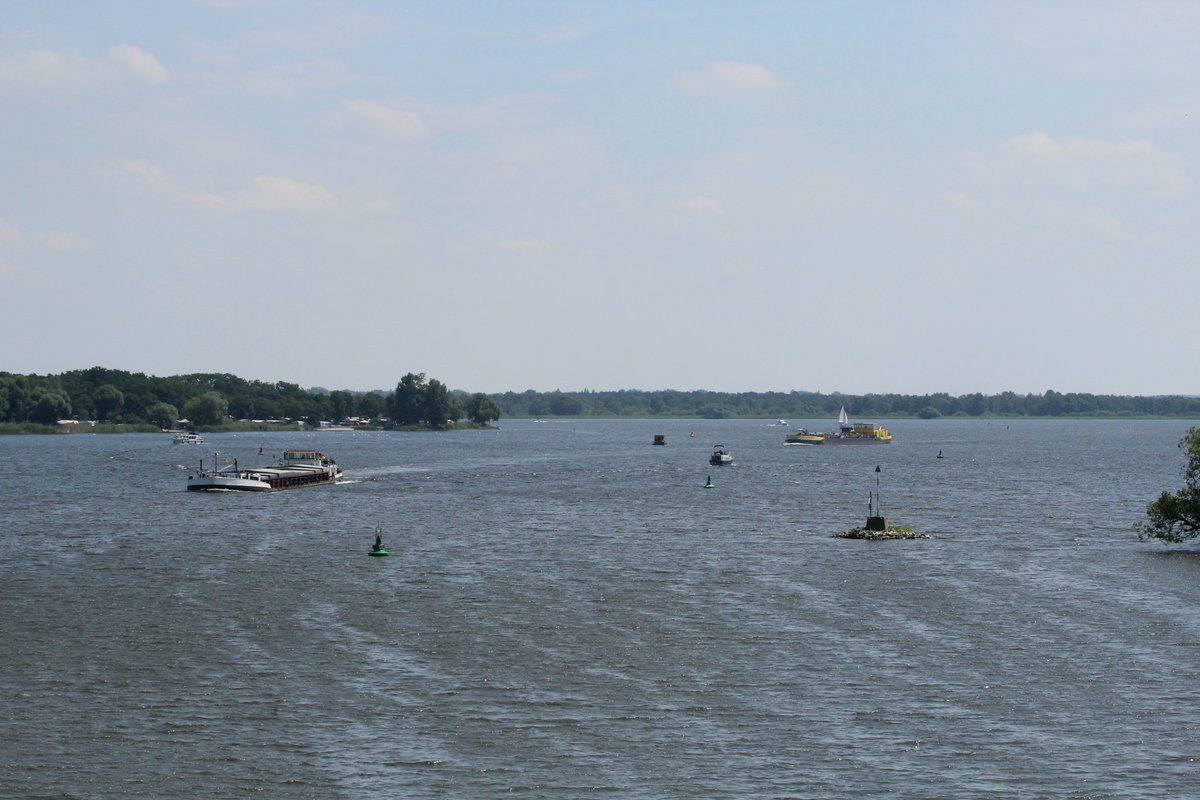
[(188, 438), (296, 468)]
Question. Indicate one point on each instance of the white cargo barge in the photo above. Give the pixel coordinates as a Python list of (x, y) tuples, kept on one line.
[(296, 468)]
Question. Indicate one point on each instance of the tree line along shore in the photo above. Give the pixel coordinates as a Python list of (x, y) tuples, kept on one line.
[(134, 401)]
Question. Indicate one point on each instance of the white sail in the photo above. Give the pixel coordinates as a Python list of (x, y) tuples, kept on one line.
[(842, 418)]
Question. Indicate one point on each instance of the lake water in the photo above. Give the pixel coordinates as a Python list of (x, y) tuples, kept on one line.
[(568, 613)]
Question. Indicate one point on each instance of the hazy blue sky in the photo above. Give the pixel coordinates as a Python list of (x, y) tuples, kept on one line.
[(852, 196)]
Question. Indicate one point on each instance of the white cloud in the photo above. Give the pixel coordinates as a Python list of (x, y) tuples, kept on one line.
[(702, 204), (504, 111), (10, 235), (139, 63), (726, 78), (276, 193), (61, 241), (573, 75), (45, 68), (1050, 177), (1098, 163), (565, 34), (290, 81), (9, 268), (390, 121), (154, 177), (960, 200), (265, 193), (57, 241), (524, 246), (1172, 116), (54, 69), (415, 119), (622, 197)]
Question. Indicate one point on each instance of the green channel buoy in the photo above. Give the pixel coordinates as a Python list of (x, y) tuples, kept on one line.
[(709, 485), (378, 549), (940, 454)]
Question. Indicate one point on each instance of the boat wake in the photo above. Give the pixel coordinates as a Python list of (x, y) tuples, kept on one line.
[(377, 472)]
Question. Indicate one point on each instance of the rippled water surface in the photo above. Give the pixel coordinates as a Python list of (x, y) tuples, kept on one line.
[(568, 613)]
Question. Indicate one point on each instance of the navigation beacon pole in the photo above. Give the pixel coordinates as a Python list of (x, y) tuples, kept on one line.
[(878, 499), (876, 521)]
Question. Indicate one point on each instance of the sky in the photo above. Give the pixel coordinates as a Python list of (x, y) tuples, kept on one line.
[(845, 197)]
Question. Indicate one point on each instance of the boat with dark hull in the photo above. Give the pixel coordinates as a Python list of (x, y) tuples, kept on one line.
[(296, 468)]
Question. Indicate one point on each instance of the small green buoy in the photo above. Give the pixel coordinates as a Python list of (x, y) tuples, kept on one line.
[(378, 549), (709, 485), (939, 455)]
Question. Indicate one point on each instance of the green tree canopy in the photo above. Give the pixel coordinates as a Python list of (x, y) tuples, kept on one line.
[(164, 415), (440, 408), (341, 405), (565, 405), (482, 409), (107, 401), (49, 406), (15, 399), (206, 409), (1174, 517), (407, 402), (371, 405)]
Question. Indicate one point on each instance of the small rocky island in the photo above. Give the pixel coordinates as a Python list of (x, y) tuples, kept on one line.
[(890, 532), (877, 529)]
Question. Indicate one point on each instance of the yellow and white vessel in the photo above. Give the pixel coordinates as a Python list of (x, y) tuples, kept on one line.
[(847, 433)]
